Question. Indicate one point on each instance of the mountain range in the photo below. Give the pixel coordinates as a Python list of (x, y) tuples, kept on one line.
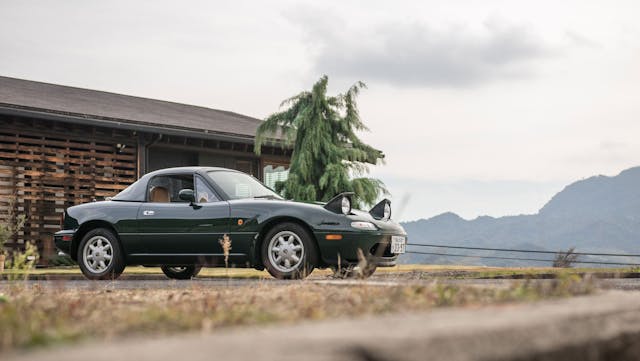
[(599, 214)]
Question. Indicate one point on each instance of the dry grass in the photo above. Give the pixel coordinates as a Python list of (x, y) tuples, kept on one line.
[(33, 315)]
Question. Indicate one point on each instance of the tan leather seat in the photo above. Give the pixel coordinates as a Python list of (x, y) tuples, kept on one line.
[(159, 195)]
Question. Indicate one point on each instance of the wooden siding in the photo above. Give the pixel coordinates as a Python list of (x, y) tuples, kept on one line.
[(49, 166)]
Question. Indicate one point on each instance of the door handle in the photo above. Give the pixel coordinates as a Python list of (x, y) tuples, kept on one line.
[(148, 213)]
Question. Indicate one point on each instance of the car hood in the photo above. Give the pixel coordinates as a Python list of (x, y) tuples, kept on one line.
[(315, 213)]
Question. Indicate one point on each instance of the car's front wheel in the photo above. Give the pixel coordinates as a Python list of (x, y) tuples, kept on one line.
[(289, 252), (181, 272), (100, 256)]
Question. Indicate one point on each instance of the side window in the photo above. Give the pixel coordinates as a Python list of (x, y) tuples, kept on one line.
[(204, 194), (165, 188)]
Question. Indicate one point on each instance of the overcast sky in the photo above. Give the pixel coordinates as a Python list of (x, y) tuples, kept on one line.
[(482, 107)]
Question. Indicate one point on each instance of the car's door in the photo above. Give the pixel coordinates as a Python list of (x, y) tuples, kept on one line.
[(171, 227)]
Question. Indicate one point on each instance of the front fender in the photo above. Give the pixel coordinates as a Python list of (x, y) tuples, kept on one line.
[(253, 218)]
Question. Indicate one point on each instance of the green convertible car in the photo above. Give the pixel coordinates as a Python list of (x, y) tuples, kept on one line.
[(182, 219)]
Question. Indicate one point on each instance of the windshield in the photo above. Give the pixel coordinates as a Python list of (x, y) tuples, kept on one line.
[(238, 185)]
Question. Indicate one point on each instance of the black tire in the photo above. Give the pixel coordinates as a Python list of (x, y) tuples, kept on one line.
[(181, 272), (93, 252), (294, 235), (352, 271)]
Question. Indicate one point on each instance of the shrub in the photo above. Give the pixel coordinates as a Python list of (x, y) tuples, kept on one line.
[(24, 261), (565, 259), (11, 225)]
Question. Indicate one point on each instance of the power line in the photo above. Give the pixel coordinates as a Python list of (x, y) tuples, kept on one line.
[(523, 250), (470, 256), (519, 258)]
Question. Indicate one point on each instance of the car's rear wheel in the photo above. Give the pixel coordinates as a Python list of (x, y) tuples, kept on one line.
[(100, 256), (181, 272), (289, 251)]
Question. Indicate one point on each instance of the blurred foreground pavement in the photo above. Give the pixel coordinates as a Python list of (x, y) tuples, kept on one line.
[(605, 326)]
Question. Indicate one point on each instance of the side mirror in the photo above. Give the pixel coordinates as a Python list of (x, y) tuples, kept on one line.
[(187, 195)]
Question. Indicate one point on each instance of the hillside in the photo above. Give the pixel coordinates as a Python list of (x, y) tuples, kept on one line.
[(600, 214)]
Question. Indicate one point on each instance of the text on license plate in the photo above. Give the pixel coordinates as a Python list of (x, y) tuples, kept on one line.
[(398, 244)]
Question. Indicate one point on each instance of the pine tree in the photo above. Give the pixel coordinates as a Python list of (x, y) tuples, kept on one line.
[(326, 149)]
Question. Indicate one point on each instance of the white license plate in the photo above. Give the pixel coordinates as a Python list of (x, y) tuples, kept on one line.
[(398, 244)]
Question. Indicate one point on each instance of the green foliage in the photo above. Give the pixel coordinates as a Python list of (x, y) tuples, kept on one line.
[(11, 224), (24, 261), (326, 149)]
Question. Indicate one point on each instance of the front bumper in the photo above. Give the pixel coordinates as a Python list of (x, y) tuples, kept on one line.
[(376, 247), (63, 240)]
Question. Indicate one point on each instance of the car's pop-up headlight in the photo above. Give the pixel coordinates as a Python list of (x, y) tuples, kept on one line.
[(364, 225), (340, 203), (382, 210)]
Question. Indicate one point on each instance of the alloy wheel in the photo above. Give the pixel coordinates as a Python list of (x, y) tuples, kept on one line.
[(286, 251), (98, 254)]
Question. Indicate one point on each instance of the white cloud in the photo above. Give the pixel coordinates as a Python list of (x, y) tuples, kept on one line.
[(416, 54)]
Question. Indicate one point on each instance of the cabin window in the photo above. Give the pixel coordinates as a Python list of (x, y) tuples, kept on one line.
[(166, 188)]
